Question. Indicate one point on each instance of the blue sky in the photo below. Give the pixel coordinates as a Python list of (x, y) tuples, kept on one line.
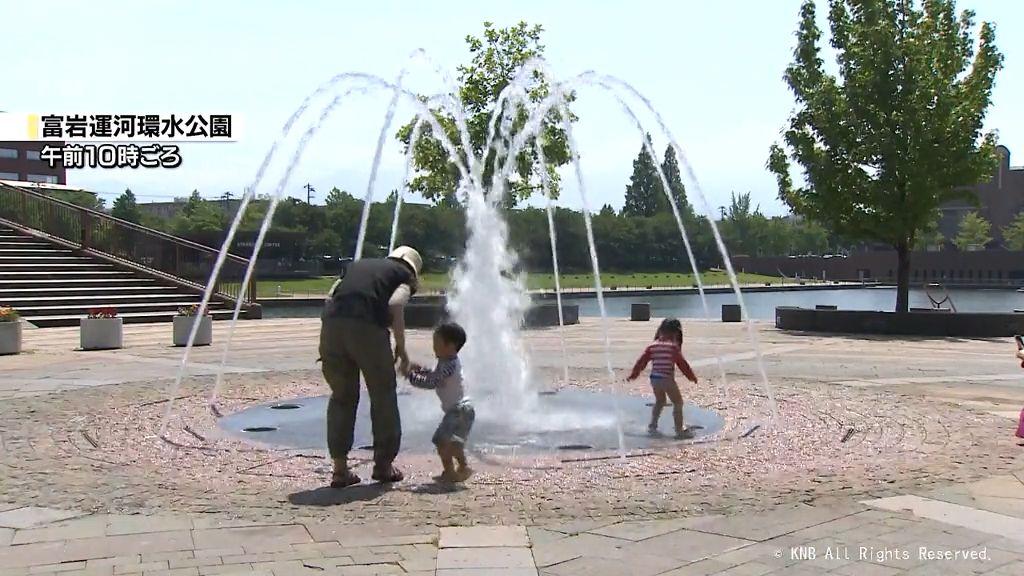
[(713, 70)]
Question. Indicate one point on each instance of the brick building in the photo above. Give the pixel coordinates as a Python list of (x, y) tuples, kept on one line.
[(20, 161), (1000, 200)]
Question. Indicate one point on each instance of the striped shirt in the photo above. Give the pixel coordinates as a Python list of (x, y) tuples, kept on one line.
[(664, 357), (445, 379)]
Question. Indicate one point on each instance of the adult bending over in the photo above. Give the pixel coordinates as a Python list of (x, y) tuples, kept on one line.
[(355, 338)]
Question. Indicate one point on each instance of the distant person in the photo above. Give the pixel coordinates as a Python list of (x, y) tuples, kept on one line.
[(369, 299), (446, 380), (665, 355)]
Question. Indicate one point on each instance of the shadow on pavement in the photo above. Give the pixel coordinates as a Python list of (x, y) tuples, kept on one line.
[(327, 496)]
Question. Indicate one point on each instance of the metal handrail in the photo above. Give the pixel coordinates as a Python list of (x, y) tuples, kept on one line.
[(146, 250)]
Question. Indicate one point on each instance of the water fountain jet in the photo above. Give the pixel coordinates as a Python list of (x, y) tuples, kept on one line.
[(490, 262)]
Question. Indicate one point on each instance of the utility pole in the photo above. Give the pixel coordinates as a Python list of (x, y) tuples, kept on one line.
[(226, 197), (309, 193)]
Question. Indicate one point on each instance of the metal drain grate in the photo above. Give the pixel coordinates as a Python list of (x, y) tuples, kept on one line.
[(575, 447)]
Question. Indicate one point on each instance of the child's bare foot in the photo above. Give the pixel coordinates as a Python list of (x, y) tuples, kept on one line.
[(684, 434), (449, 477), (464, 473), (653, 430)]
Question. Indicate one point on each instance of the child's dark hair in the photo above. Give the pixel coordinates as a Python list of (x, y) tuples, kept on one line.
[(672, 328), (452, 333)]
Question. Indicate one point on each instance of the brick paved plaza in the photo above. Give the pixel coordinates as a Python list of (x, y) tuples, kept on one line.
[(881, 447)]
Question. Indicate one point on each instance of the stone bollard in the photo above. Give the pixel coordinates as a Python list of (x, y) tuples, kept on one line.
[(731, 313), (640, 312)]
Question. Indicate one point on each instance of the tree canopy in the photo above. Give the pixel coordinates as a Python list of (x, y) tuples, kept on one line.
[(644, 189), (974, 232), (645, 193), (1013, 233), (497, 58), (898, 132), (126, 207), (930, 237), (624, 243)]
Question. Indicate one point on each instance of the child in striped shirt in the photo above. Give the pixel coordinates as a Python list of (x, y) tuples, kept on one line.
[(664, 355), (446, 380)]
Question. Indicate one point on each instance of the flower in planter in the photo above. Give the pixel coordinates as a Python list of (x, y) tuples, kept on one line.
[(192, 310), (102, 313), (8, 314)]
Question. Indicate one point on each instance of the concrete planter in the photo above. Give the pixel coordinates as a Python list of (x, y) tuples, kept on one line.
[(101, 333), (10, 338), (640, 312), (183, 326)]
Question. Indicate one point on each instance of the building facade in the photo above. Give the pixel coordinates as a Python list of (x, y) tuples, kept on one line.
[(985, 268), (21, 161), (999, 201)]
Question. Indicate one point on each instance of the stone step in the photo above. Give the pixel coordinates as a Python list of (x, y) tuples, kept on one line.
[(129, 318), (71, 267), (97, 300), (51, 285), (80, 309), (46, 259), (27, 250), (24, 242), (61, 290), (71, 280)]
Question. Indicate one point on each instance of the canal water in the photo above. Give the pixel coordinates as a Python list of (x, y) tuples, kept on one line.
[(761, 305)]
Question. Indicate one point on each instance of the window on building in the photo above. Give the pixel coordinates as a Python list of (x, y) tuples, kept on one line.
[(32, 154), (8, 153), (915, 274), (889, 275), (8, 176), (989, 274), (44, 178)]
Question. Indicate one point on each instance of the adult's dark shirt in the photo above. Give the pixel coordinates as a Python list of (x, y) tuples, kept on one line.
[(367, 287)]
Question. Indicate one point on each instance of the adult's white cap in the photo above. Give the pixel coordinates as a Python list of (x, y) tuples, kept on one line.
[(410, 256)]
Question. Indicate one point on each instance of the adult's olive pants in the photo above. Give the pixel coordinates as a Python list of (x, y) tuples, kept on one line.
[(349, 347)]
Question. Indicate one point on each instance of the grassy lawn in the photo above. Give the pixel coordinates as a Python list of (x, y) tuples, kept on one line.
[(314, 287)]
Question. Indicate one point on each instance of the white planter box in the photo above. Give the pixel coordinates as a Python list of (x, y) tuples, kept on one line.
[(101, 333), (10, 338), (183, 326)]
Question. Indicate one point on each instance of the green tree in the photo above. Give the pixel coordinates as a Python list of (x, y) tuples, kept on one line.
[(79, 198), (644, 192), (930, 237), (496, 60), (745, 230), (974, 232), (899, 132), (197, 215), (126, 207), (1013, 233), (670, 167)]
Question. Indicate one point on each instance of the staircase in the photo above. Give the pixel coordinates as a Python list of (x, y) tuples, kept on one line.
[(59, 260), (52, 286)]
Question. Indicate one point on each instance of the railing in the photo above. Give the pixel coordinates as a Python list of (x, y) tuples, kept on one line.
[(177, 260)]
